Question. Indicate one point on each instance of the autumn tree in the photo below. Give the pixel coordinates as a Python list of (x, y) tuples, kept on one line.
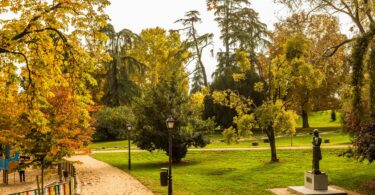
[(56, 66), (166, 94), (362, 107), (278, 76), (322, 31), (197, 43)]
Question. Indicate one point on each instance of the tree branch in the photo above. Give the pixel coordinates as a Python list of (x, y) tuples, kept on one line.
[(368, 12), (34, 19), (355, 17), (334, 49)]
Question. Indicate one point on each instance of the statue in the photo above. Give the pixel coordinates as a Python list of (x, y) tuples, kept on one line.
[(317, 154)]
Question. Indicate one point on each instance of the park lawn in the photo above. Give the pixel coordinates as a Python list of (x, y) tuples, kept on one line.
[(242, 172), (120, 144), (336, 138), (321, 119)]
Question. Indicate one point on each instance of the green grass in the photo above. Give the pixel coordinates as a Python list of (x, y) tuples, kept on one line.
[(336, 138), (321, 119), (242, 172), (121, 144)]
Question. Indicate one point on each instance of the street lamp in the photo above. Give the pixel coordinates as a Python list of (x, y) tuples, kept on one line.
[(129, 127), (170, 123)]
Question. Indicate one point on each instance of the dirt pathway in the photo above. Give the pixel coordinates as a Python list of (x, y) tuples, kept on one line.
[(232, 149), (97, 177)]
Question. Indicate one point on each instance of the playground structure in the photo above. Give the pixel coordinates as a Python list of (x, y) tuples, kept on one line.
[(8, 161), (64, 188), (62, 181)]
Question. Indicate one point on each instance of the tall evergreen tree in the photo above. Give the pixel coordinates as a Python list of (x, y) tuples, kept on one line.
[(119, 89), (196, 43), (240, 29), (242, 34)]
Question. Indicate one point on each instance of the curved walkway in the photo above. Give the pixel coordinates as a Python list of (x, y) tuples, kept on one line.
[(97, 177), (233, 149)]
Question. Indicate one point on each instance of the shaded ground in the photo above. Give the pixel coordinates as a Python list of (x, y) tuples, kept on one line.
[(30, 184), (97, 177)]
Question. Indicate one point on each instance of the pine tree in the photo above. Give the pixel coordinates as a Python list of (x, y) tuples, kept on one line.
[(119, 89), (197, 43)]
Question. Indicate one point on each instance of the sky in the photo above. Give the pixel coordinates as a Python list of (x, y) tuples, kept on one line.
[(137, 15)]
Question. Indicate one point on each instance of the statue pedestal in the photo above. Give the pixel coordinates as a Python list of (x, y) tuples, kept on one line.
[(302, 190), (315, 184), (316, 181)]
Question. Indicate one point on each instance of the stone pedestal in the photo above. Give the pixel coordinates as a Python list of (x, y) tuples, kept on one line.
[(315, 185), (316, 181), (302, 190)]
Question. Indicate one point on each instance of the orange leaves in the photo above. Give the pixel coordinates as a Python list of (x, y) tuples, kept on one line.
[(4, 3), (48, 103)]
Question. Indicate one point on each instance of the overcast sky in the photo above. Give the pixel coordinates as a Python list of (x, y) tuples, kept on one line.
[(137, 15)]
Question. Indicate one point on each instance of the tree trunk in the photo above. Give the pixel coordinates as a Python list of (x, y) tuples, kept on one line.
[(271, 137), (305, 119), (371, 68), (333, 115), (5, 172), (42, 182), (199, 55), (358, 58)]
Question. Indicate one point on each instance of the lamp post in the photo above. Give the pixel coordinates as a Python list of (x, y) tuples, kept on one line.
[(129, 127), (170, 123)]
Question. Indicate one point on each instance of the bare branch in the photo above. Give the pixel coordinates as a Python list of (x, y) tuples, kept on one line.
[(355, 17), (329, 3), (334, 49)]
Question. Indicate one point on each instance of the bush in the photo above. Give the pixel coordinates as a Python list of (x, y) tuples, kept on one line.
[(156, 106), (111, 123), (365, 142)]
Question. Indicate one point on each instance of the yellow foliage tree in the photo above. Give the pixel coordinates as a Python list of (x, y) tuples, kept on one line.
[(49, 51)]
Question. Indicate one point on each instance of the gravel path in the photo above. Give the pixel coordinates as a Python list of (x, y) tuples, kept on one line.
[(97, 177)]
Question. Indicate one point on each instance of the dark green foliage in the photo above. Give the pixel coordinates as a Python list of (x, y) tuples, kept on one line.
[(119, 89), (358, 56), (240, 29), (169, 98), (198, 80), (365, 142), (371, 67), (111, 123)]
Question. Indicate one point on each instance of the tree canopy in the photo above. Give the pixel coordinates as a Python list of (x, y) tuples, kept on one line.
[(46, 69)]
